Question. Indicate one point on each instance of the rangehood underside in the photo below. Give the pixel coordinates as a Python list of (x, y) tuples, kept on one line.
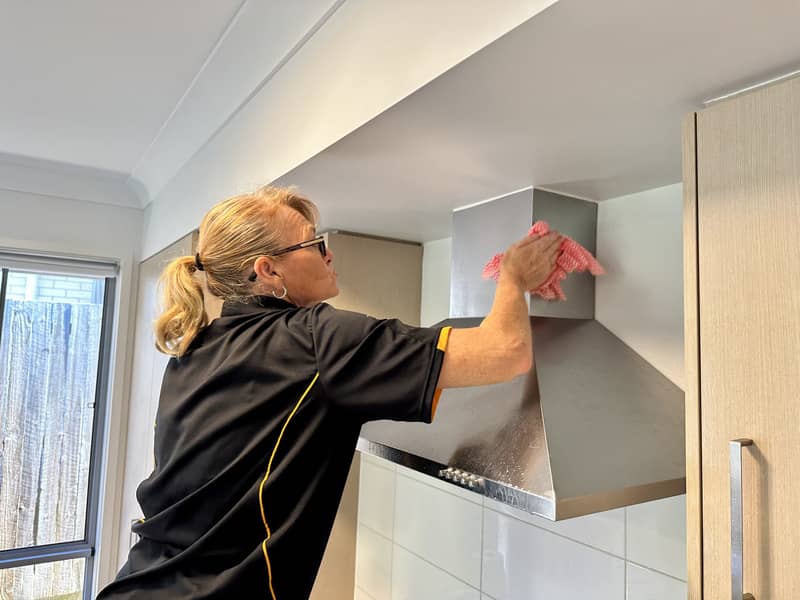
[(592, 427)]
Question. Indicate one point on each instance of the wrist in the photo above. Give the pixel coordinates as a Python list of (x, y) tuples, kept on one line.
[(508, 279)]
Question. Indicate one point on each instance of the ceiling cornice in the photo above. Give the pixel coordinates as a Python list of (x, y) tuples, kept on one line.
[(63, 180)]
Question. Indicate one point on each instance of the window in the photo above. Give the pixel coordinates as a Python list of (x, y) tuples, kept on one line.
[(55, 329)]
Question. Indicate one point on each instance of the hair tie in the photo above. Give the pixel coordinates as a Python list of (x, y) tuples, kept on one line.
[(198, 265)]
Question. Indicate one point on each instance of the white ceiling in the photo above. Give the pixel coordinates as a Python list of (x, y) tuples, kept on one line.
[(90, 82), (586, 98), (126, 92)]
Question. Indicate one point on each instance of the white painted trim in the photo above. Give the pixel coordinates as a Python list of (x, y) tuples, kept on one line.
[(62, 180), (750, 88), (530, 187), (116, 427), (492, 199)]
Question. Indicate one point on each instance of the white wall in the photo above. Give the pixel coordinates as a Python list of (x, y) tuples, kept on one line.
[(435, 281), (425, 539), (66, 225), (640, 300), (368, 55)]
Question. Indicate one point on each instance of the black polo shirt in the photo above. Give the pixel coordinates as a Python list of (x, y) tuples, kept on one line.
[(256, 429)]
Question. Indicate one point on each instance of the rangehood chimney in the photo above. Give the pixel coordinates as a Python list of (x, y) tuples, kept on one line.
[(592, 427)]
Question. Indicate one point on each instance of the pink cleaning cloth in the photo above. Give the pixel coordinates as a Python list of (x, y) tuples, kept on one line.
[(572, 257)]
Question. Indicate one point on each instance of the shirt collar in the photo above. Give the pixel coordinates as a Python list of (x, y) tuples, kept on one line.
[(255, 304)]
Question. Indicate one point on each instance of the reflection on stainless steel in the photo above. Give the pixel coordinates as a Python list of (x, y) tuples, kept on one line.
[(566, 440), (592, 427)]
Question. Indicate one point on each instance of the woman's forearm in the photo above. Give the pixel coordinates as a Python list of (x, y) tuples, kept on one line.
[(497, 350)]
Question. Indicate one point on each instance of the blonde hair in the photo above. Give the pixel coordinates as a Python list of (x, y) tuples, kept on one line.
[(233, 234)]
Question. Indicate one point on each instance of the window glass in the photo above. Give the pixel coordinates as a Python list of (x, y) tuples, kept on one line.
[(61, 580), (49, 355)]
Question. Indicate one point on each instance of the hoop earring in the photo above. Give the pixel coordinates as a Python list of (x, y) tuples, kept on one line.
[(282, 296)]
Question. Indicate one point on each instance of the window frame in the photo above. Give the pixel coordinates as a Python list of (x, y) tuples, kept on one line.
[(87, 547)]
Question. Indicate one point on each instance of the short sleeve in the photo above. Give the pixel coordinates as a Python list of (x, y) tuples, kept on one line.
[(378, 368)]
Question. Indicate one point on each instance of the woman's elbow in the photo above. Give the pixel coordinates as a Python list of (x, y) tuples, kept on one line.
[(519, 358)]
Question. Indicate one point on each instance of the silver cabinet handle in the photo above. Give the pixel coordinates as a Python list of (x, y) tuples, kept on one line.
[(737, 517)]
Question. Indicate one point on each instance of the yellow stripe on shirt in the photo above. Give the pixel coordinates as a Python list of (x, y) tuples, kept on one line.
[(441, 345), (264, 481)]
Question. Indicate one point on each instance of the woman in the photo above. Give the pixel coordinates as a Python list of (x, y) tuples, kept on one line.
[(263, 400)]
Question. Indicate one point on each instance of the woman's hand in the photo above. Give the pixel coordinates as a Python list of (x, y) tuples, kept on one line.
[(529, 262), (501, 347)]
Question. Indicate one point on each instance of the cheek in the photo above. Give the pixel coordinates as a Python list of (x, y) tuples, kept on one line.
[(311, 280)]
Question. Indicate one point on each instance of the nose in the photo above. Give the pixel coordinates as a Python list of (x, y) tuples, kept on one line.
[(328, 256)]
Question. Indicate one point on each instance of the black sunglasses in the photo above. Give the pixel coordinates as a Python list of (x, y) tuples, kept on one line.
[(318, 241)]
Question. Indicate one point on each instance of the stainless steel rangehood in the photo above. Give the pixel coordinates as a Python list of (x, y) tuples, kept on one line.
[(592, 427)]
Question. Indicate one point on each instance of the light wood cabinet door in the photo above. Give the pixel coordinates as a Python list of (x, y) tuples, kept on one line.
[(747, 294)]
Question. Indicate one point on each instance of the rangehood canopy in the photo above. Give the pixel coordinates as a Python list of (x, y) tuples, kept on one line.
[(592, 427)]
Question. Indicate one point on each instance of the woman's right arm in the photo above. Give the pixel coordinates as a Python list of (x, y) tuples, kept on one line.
[(501, 348)]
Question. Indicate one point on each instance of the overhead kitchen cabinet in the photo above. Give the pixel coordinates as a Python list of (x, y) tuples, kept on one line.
[(742, 310)]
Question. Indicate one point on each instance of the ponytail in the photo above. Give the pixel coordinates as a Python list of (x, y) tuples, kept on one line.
[(233, 234), (183, 313)]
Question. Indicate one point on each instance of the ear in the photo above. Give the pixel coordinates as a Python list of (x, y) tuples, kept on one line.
[(265, 272)]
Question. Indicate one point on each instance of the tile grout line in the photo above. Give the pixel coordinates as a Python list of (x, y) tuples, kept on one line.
[(438, 567), (422, 558), (381, 467), (561, 535), (365, 592), (656, 571), (625, 550), (483, 524), (394, 526), (375, 531)]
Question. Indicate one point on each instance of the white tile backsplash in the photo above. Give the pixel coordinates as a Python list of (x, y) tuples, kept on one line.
[(605, 530), (376, 498), (421, 538), (440, 527), (380, 462), (373, 564), (416, 579), (657, 535), (522, 562), (644, 584)]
